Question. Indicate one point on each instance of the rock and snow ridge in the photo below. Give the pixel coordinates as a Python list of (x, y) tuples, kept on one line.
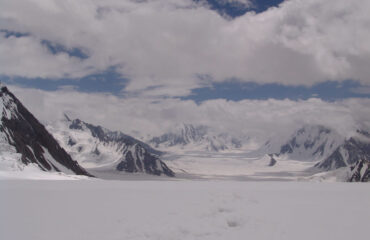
[(354, 152), (95, 147), (191, 137), (25, 141), (330, 150), (311, 143)]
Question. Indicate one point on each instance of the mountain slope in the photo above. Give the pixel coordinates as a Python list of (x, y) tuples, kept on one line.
[(351, 152), (27, 140), (191, 137), (311, 143), (96, 147)]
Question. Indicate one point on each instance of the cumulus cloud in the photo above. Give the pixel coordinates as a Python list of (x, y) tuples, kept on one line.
[(25, 56), (140, 117), (164, 45)]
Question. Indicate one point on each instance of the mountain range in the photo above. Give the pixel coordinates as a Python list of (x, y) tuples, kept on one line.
[(96, 147), (73, 146), (189, 136), (330, 150)]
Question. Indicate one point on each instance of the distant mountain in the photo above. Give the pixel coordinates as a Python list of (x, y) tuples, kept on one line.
[(24, 139), (311, 143), (97, 147), (352, 151), (330, 150), (192, 137)]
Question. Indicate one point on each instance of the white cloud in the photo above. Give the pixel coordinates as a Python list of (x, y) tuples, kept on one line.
[(167, 43), (25, 56), (257, 118)]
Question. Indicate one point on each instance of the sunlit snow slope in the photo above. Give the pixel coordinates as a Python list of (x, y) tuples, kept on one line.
[(99, 149)]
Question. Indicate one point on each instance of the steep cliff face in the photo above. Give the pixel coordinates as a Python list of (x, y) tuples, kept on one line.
[(96, 147), (28, 137)]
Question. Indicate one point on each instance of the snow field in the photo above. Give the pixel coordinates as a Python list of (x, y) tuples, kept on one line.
[(168, 210)]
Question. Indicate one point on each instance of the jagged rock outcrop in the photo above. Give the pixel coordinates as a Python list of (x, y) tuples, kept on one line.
[(360, 171), (20, 129)]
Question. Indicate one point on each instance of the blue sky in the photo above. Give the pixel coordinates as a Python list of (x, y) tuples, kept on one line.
[(111, 77), (235, 10), (111, 82)]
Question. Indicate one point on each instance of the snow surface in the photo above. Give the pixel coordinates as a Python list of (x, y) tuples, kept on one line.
[(138, 210), (243, 167)]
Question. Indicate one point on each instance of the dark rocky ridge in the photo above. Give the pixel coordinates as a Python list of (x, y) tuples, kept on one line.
[(360, 172), (29, 137)]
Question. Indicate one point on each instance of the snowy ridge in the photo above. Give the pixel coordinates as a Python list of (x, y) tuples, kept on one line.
[(95, 147), (25, 141), (353, 151), (330, 151), (311, 143), (191, 137)]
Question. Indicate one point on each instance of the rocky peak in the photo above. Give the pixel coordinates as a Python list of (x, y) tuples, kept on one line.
[(31, 140)]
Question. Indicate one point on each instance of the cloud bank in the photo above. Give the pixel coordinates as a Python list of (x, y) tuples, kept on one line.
[(260, 119), (165, 46)]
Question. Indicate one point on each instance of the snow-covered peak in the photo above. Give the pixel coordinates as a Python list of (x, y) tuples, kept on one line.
[(96, 147), (311, 143), (195, 137), (352, 151)]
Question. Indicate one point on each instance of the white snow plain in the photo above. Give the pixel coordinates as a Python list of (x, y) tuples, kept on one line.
[(182, 209)]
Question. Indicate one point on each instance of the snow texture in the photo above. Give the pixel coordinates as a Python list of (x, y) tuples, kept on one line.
[(167, 210)]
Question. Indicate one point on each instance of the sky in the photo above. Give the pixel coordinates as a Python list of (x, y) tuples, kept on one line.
[(187, 54)]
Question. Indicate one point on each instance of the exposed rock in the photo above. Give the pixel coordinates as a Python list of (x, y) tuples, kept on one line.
[(360, 172), (31, 139), (272, 160)]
